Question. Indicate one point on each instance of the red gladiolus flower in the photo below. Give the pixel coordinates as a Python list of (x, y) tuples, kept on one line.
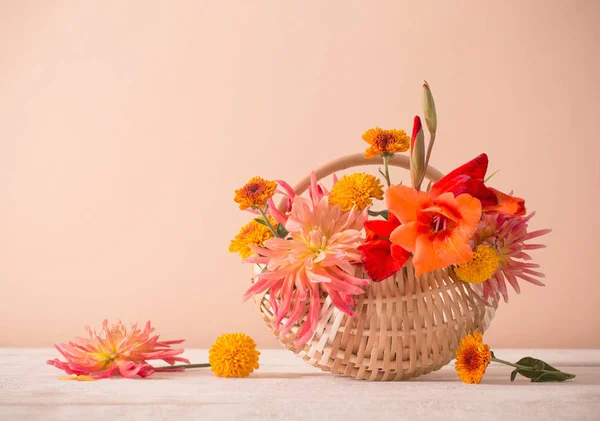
[(380, 258), (469, 178)]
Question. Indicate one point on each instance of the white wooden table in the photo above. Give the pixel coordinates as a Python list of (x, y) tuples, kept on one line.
[(288, 389)]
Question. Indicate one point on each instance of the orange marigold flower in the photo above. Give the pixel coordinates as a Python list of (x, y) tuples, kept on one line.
[(472, 358), (233, 355), (355, 191), (385, 142), (255, 193), (251, 234)]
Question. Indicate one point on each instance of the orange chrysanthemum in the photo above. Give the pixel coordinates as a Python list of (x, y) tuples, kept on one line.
[(233, 355), (385, 142), (472, 358), (255, 193)]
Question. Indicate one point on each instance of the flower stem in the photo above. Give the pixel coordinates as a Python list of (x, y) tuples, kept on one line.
[(497, 360), (264, 215), (429, 149), (386, 169), (174, 367)]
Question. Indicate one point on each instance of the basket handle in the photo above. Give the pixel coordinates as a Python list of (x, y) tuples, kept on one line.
[(357, 160)]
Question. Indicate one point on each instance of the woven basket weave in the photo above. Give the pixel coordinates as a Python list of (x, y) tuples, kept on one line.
[(405, 326)]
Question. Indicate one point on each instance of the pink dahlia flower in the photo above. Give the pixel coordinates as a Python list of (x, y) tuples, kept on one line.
[(117, 350), (316, 258), (501, 242)]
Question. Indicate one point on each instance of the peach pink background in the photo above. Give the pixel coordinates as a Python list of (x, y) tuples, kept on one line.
[(126, 126)]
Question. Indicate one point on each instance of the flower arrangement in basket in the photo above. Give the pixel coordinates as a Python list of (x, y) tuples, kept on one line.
[(377, 295), (389, 294)]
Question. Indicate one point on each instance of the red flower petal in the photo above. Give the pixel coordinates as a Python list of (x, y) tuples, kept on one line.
[(477, 189), (416, 129), (377, 228), (381, 260), (455, 180), (399, 254)]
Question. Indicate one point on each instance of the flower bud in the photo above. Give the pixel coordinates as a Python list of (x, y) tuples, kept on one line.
[(417, 153), (429, 109)]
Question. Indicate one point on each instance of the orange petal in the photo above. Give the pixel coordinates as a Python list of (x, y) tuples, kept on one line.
[(446, 205), (470, 210), (69, 377), (454, 250), (405, 236), (439, 254), (405, 202), (425, 258), (369, 153), (507, 204)]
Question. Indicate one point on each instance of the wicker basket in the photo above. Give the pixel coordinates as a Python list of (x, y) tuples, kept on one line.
[(405, 326)]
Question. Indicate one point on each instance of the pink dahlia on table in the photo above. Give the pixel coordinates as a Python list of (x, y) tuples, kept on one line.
[(115, 349), (315, 258), (500, 255)]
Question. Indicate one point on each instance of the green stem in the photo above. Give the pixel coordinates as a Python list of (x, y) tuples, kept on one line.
[(386, 169), (428, 156), (169, 367), (264, 215), (497, 360)]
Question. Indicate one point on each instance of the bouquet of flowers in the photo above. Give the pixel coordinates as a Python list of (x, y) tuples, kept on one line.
[(446, 250), (383, 294)]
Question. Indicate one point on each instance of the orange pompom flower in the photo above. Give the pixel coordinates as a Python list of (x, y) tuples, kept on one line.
[(472, 358), (251, 234), (354, 191), (255, 193), (233, 355), (385, 142)]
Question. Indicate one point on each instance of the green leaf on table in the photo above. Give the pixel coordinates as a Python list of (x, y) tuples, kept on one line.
[(539, 371), (557, 376), (535, 364)]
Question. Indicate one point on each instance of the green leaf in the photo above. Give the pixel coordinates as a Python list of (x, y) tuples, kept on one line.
[(384, 213), (490, 176), (513, 375), (535, 364), (539, 371), (261, 221), (553, 376), (281, 231)]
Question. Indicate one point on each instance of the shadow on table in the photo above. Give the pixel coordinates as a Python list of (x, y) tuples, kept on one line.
[(259, 375), (496, 378)]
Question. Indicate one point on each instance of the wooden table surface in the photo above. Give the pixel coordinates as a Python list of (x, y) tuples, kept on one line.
[(286, 388)]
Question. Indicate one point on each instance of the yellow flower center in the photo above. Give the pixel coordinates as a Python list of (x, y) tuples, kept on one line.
[(481, 267)]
